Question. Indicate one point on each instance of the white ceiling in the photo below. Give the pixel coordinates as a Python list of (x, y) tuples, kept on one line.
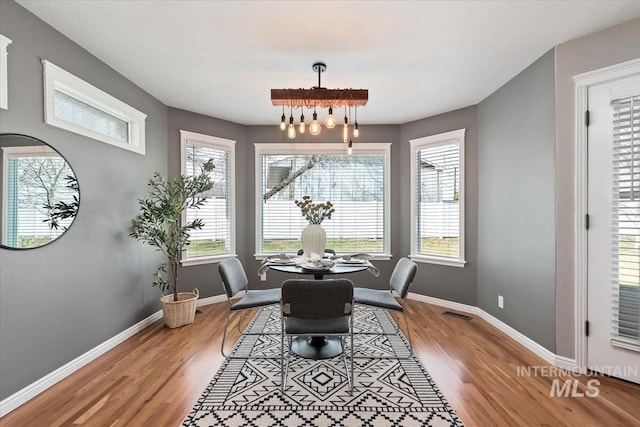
[(416, 58)]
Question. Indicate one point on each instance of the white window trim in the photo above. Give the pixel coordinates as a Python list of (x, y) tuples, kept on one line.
[(416, 145), (582, 83), (228, 145), (4, 80), (325, 148), (57, 79)]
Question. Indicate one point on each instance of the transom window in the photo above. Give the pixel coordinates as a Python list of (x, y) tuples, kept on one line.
[(357, 185), (437, 198), (75, 105), (216, 238)]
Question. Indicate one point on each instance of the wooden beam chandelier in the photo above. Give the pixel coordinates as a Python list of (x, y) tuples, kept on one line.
[(320, 97)]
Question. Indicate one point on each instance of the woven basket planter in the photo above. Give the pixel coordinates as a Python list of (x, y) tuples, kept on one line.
[(181, 312)]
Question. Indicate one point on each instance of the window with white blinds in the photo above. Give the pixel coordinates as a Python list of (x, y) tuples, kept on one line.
[(357, 185), (437, 197), (626, 223), (35, 179), (217, 237)]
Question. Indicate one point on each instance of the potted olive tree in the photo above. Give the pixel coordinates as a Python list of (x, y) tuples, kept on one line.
[(160, 225)]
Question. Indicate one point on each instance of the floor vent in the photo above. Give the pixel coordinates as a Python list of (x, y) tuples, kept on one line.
[(458, 315)]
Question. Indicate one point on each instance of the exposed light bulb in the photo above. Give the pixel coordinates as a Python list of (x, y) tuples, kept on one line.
[(330, 123), (345, 130), (302, 125), (350, 147), (356, 131), (314, 127), (291, 132), (283, 125)]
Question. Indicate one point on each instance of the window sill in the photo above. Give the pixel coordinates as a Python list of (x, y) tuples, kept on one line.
[(375, 257), (437, 260), (206, 260)]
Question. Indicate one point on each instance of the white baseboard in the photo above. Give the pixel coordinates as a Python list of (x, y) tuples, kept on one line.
[(15, 400), (567, 363), (445, 303), (548, 356), (211, 300), (32, 390)]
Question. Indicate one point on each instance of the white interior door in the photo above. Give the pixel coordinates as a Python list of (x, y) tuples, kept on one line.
[(613, 309)]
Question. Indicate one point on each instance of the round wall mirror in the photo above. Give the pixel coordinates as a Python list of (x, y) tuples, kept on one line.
[(40, 193)]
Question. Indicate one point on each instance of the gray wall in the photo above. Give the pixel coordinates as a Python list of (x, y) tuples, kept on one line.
[(516, 239), (61, 300), (450, 283), (611, 46)]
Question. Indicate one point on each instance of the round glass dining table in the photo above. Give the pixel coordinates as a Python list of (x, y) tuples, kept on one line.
[(319, 274), (318, 347)]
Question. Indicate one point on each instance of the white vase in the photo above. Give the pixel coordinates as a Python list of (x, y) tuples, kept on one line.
[(314, 240)]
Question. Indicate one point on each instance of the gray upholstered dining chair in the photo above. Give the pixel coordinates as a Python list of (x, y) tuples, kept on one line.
[(402, 276), (236, 285), (312, 308)]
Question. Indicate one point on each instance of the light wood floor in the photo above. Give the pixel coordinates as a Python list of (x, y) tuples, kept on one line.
[(155, 377)]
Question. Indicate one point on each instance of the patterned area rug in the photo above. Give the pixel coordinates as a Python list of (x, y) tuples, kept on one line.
[(387, 392)]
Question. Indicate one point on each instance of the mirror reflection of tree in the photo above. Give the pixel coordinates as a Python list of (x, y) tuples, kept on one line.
[(40, 186), (61, 210), (39, 195)]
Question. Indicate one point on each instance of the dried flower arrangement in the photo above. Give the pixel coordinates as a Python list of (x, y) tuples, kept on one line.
[(315, 213)]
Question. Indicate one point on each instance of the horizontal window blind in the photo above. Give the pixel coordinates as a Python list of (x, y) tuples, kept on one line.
[(214, 238), (354, 184), (626, 224), (35, 181), (437, 200)]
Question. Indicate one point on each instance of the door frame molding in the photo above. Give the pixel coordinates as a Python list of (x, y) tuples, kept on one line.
[(582, 84)]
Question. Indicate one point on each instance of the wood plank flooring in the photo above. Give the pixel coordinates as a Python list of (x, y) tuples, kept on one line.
[(155, 377)]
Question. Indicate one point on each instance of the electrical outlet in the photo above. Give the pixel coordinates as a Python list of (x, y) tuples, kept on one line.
[(500, 301)]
